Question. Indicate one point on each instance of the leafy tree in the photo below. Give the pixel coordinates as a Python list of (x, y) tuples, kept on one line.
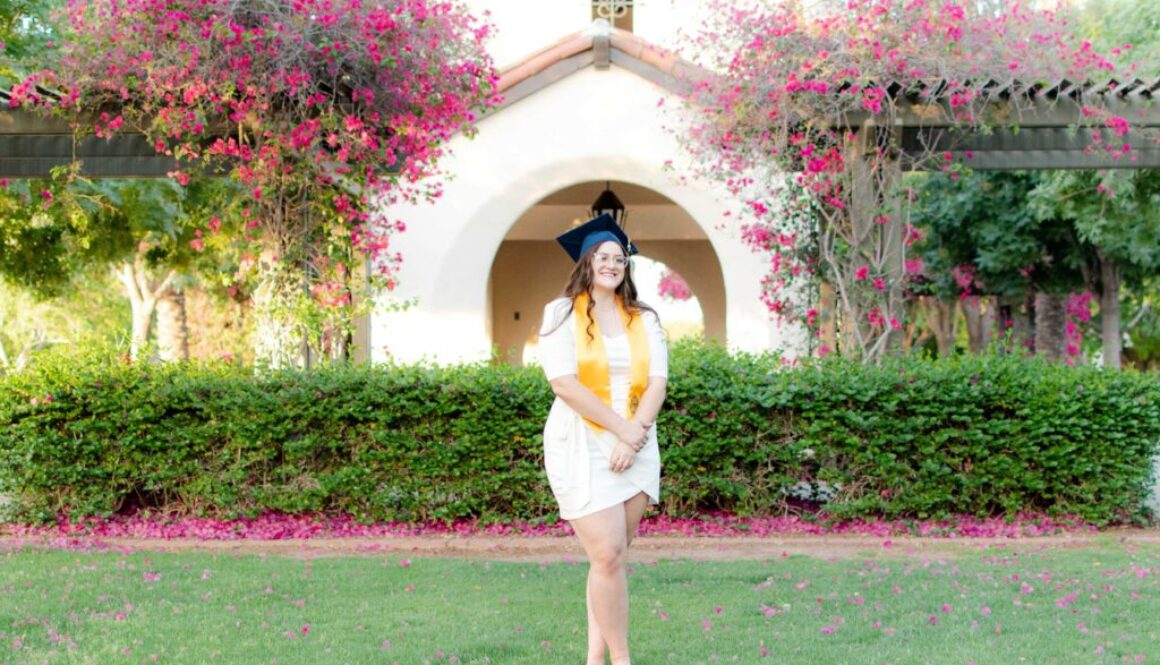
[(1056, 232), (1130, 28), (26, 30), (1117, 214), (324, 111), (982, 240), (147, 232), (1142, 326), (1133, 28), (35, 238), (1072, 204), (89, 312), (150, 233)]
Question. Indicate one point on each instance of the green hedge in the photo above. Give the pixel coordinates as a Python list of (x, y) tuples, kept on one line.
[(910, 438)]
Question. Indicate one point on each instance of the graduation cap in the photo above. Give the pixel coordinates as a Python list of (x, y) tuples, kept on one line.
[(579, 240)]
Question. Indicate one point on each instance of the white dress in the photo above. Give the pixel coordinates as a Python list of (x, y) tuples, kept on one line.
[(575, 456)]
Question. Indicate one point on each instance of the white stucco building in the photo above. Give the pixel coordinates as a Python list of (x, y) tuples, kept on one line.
[(584, 106)]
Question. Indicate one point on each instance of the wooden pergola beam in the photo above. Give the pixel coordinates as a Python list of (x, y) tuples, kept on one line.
[(1040, 132)]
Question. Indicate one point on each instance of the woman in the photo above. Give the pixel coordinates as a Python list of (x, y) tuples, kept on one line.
[(604, 353)]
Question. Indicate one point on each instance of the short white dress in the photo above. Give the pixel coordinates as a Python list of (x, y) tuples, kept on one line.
[(575, 456)]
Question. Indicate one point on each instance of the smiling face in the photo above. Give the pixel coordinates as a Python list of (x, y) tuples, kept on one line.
[(609, 265)]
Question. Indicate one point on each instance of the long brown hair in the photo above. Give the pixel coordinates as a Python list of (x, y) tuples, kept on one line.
[(580, 281)]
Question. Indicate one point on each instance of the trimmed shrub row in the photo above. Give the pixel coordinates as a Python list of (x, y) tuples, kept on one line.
[(975, 435)]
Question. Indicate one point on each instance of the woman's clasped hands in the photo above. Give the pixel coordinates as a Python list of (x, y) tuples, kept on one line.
[(632, 435)]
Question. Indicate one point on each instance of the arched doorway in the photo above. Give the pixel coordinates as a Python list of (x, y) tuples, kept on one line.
[(530, 269)]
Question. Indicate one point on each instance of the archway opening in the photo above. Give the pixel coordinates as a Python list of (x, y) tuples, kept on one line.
[(666, 291), (663, 289), (530, 269)]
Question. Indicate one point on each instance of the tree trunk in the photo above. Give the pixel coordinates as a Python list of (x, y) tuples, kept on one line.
[(172, 326), (885, 245), (864, 241), (940, 318), (1050, 324), (142, 292), (279, 341), (828, 312), (979, 324), (142, 324), (1110, 313)]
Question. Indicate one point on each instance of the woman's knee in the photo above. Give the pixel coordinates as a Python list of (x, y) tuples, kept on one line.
[(608, 556)]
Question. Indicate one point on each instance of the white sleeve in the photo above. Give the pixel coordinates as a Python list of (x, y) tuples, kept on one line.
[(658, 348), (557, 347)]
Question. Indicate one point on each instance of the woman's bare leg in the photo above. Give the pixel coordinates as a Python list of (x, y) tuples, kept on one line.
[(607, 589), (596, 645), (633, 513)]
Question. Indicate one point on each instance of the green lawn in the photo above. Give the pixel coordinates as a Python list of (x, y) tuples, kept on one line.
[(1013, 604)]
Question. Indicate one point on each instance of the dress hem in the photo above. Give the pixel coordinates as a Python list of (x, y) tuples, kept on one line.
[(591, 509)]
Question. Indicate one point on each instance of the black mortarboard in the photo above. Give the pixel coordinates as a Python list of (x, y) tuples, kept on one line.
[(593, 232)]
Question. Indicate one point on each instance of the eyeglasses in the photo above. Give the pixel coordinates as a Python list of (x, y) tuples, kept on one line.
[(619, 260)]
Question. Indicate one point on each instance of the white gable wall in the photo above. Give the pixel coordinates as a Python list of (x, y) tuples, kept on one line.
[(592, 125)]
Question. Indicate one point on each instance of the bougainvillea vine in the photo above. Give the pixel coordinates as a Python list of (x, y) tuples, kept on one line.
[(324, 110), (813, 98)]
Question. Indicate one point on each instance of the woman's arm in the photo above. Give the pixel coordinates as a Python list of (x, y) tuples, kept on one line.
[(651, 401), (655, 391), (582, 400)]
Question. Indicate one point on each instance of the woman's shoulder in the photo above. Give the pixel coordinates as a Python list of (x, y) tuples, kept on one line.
[(555, 312), (647, 312), (558, 307)]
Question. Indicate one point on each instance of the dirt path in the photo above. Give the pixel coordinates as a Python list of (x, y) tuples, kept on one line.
[(646, 548)]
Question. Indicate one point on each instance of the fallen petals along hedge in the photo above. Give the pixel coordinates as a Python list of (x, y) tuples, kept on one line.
[(990, 436), (306, 527)]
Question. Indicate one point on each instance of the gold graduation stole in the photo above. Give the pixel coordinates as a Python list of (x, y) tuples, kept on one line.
[(592, 358)]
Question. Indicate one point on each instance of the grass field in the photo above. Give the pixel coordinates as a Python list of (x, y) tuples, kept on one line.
[(1005, 604)]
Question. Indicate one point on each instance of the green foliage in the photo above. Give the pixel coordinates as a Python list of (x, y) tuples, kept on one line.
[(1142, 323), (56, 229), (36, 235), (977, 435), (405, 443), (982, 220), (1113, 24), (1116, 212), (26, 31), (93, 309)]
